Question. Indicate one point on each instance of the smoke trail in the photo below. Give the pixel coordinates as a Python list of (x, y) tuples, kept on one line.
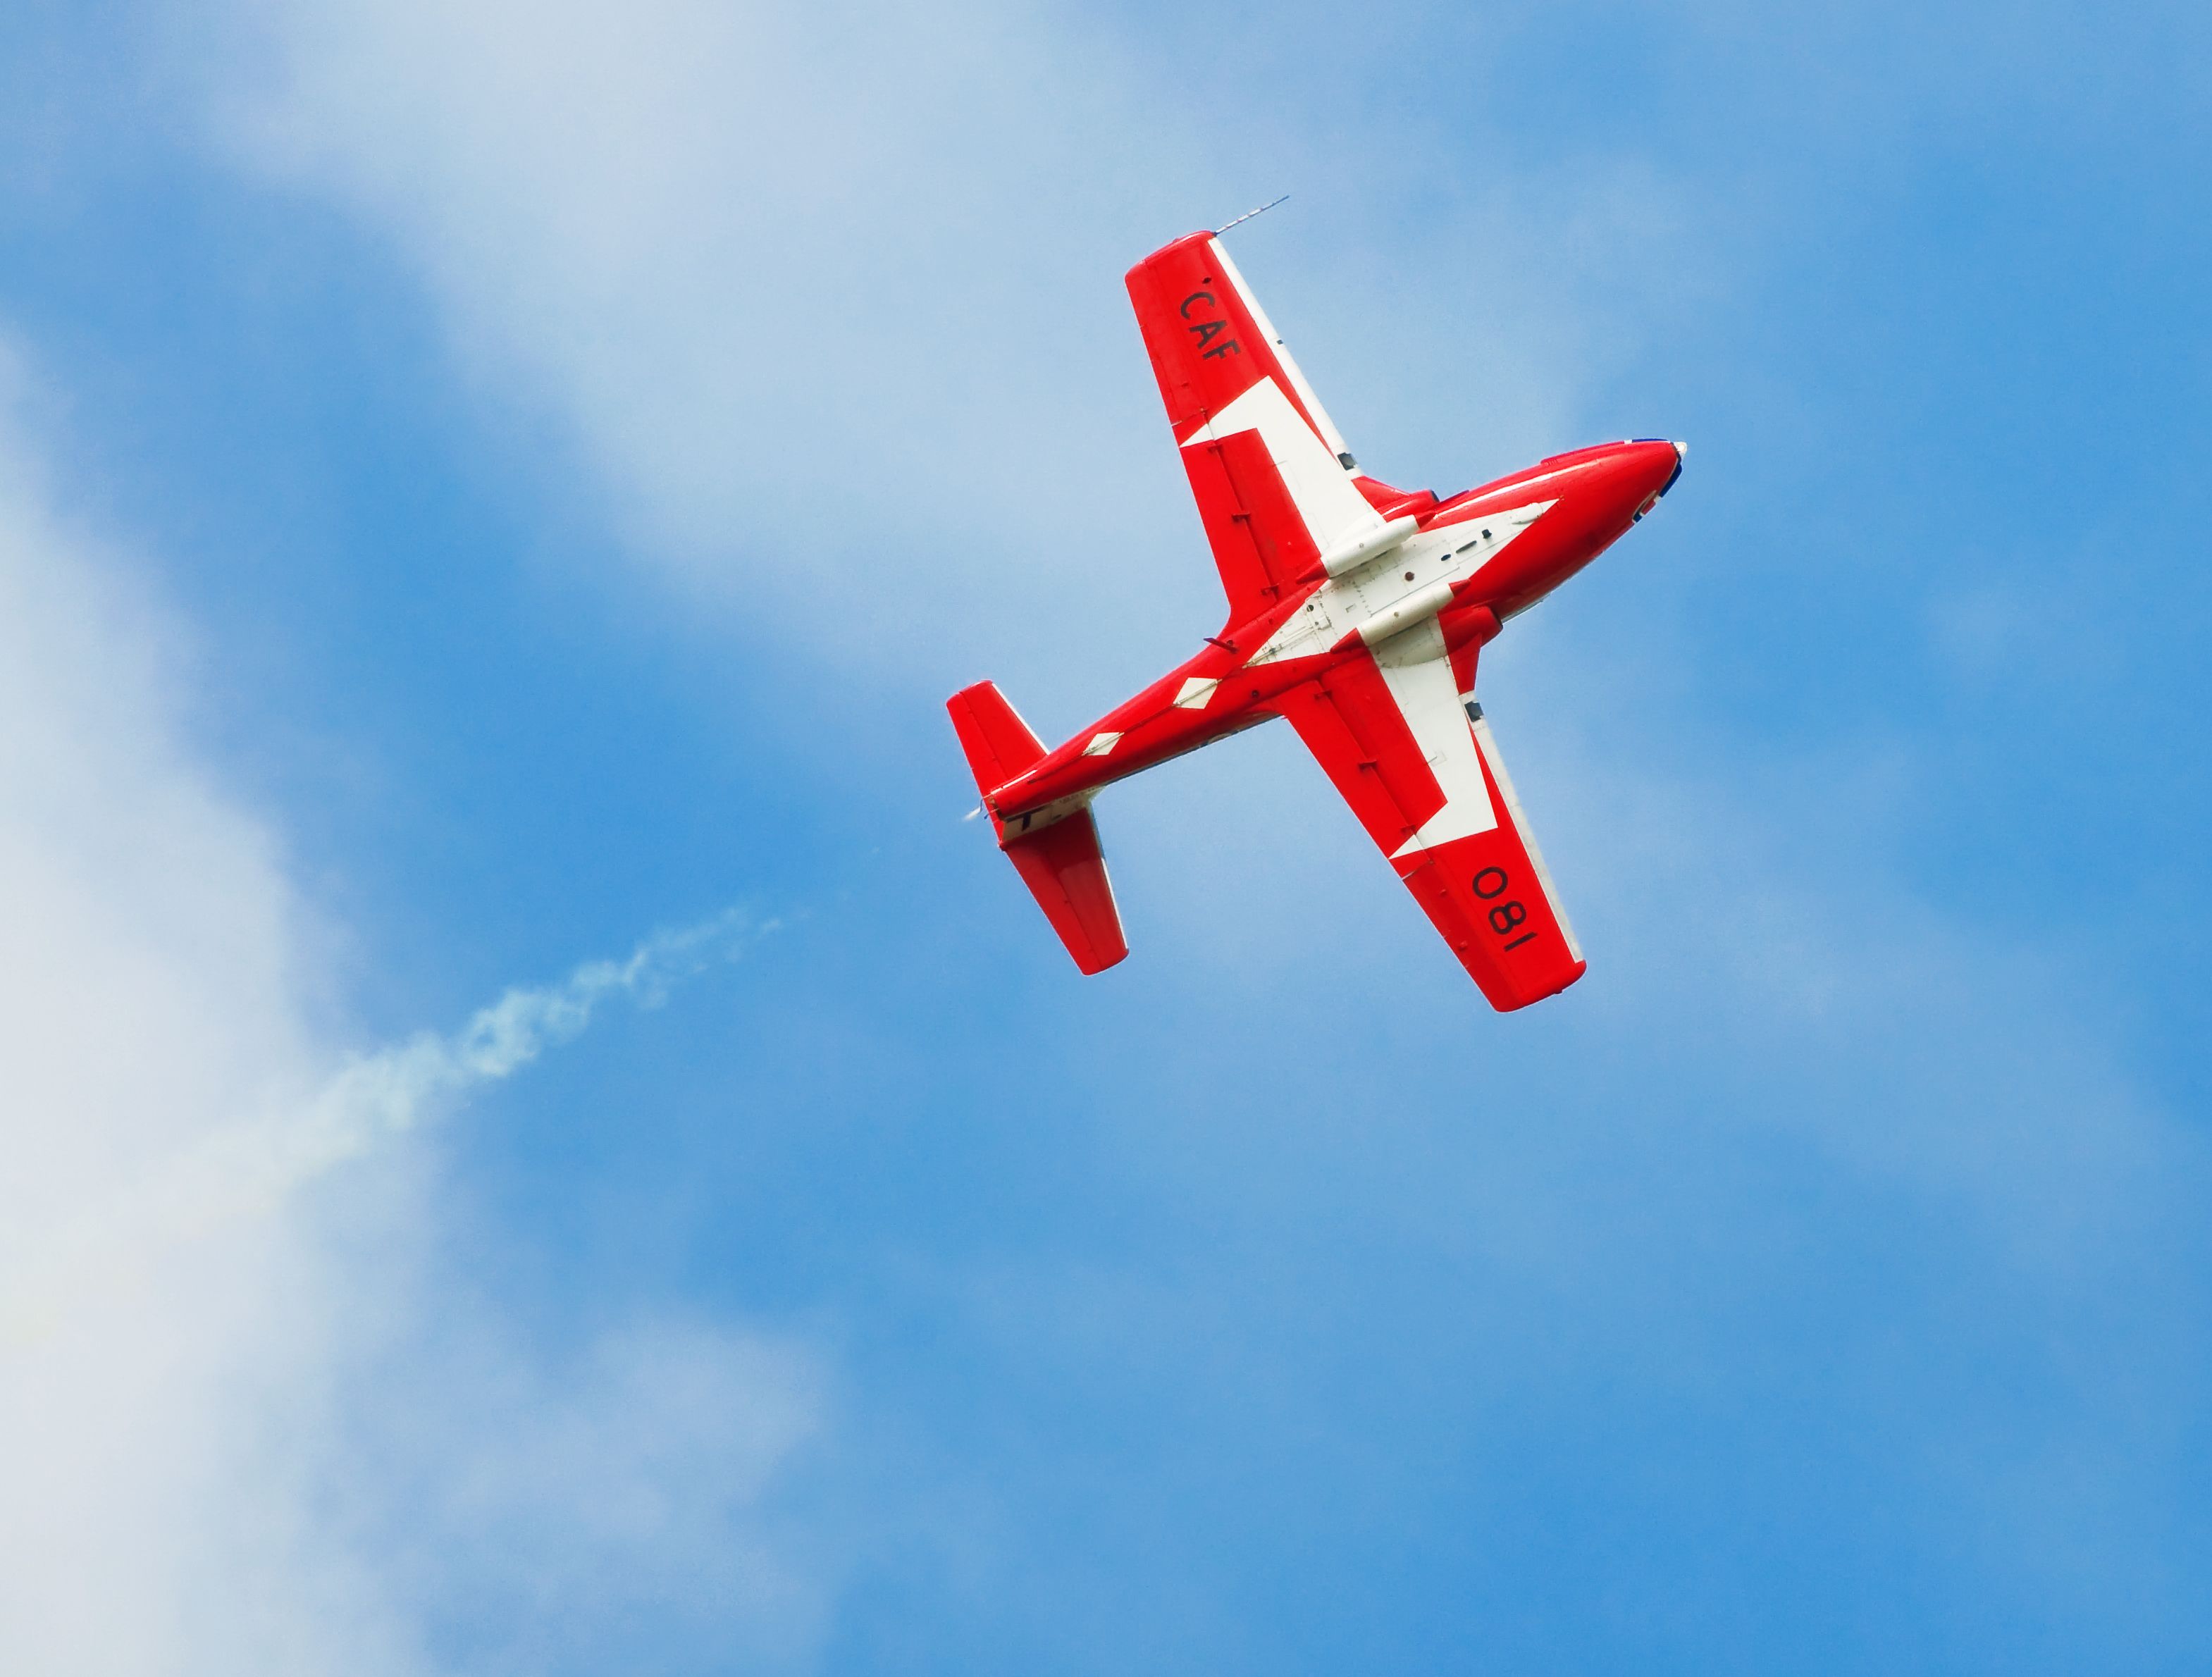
[(249, 1168)]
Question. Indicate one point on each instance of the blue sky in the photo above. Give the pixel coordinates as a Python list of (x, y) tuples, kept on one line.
[(481, 486)]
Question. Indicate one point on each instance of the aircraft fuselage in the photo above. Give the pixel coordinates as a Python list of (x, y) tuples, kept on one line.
[(1465, 565)]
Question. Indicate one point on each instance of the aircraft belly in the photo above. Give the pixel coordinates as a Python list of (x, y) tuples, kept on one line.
[(1306, 633)]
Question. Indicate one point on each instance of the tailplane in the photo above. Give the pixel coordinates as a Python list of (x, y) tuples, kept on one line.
[(1058, 857)]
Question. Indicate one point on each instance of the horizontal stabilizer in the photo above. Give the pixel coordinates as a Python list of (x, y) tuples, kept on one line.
[(1065, 872), (1056, 851)]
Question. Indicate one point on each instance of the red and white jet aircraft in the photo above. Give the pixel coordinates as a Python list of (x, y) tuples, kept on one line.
[(1356, 611)]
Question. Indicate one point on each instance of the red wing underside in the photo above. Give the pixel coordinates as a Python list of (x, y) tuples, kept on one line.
[(1266, 465), (1426, 782)]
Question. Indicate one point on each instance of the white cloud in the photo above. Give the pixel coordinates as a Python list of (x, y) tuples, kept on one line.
[(180, 1478), (829, 300), (659, 1446), (152, 991)]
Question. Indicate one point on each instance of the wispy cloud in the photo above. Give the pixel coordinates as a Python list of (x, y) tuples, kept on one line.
[(228, 1441), (615, 233)]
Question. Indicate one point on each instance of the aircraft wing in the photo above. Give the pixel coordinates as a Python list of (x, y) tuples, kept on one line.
[(1421, 771), (1271, 475)]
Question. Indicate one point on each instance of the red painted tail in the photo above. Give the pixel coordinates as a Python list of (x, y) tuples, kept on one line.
[(1059, 859)]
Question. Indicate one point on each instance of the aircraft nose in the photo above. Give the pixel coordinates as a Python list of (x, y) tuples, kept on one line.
[(1648, 471)]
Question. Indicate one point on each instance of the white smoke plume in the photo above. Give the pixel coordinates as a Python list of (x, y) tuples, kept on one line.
[(248, 1168)]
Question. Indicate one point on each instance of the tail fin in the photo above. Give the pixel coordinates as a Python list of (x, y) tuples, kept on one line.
[(1058, 861), (999, 743)]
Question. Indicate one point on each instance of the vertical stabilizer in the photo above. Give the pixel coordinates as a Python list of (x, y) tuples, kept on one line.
[(999, 743)]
